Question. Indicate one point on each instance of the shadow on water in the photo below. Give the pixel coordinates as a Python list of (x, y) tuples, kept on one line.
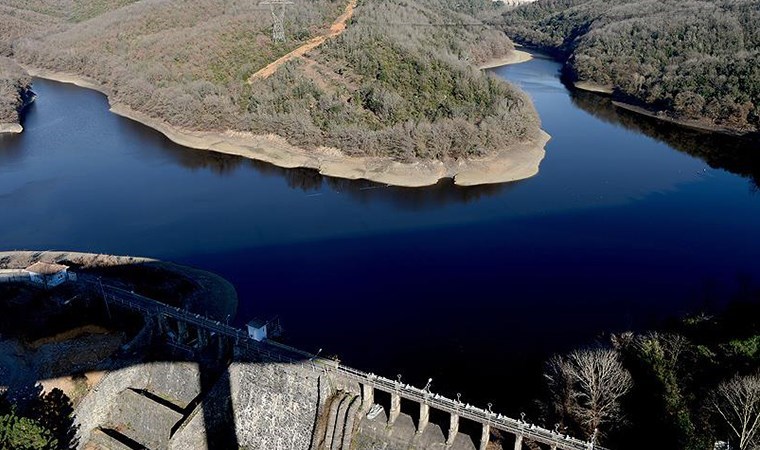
[(11, 150), (737, 155), (10, 153)]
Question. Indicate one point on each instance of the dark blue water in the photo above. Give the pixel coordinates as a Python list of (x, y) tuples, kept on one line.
[(626, 224)]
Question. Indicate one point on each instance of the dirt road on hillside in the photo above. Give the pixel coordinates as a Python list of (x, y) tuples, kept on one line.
[(336, 29)]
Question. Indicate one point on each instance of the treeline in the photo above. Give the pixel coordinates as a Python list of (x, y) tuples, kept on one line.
[(691, 384), (15, 90), (694, 61), (396, 83)]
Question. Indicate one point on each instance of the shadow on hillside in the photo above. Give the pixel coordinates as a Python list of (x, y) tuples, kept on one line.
[(51, 346)]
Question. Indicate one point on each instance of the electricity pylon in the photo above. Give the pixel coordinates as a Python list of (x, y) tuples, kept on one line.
[(278, 29)]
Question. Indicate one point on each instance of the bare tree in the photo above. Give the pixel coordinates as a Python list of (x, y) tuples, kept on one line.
[(737, 401), (587, 386)]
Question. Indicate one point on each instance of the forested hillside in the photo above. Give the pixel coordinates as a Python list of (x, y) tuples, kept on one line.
[(693, 61), (394, 84), (14, 91)]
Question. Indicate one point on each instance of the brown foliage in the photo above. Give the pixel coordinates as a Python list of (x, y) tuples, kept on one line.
[(13, 84), (395, 84)]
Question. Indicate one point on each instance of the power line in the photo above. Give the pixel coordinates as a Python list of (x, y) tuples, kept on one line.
[(278, 28)]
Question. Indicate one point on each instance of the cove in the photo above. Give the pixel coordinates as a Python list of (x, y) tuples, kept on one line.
[(628, 222)]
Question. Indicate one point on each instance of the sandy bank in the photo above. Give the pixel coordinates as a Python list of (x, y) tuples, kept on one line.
[(515, 57), (513, 163), (10, 128), (593, 87)]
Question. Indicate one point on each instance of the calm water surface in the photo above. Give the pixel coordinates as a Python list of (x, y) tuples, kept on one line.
[(628, 222)]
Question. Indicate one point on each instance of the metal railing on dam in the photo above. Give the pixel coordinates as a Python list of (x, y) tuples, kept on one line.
[(274, 351)]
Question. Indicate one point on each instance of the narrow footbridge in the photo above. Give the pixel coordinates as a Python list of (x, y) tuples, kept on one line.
[(276, 352)]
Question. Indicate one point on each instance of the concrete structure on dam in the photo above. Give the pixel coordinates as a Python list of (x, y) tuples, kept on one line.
[(185, 381), (219, 388)]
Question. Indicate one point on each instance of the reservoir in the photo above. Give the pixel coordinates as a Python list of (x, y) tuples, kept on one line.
[(629, 222)]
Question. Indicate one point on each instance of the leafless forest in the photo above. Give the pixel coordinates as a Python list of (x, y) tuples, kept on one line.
[(696, 60), (13, 83), (396, 83)]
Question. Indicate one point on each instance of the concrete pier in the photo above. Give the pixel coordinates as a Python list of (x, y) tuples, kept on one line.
[(485, 436), (368, 397), (424, 418), (453, 429), (395, 408), (518, 441)]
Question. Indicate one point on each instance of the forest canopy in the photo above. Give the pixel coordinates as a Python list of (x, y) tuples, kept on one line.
[(14, 90), (693, 61), (394, 84)]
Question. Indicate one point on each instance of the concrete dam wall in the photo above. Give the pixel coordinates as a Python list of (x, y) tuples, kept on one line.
[(250, 405)]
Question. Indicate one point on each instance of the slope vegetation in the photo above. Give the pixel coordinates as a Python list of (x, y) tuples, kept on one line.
[(696, 62), (15, 93), (390, 82)]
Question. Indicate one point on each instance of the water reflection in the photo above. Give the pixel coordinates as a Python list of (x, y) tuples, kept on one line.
[(416, 199), (152, 141), (10, 151), (310, 180), (736, 154)]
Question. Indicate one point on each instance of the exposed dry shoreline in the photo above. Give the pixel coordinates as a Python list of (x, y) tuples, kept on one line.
[(10, 128), (684, 123), (513, 163), (514, 57), (695, 124), (593, 87)]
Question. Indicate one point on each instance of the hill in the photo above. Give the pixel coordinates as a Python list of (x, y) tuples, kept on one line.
[(695, 62), (395, 85)]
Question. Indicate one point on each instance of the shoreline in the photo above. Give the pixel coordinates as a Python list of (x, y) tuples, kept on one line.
[(515, 57), (589, 86), (10, 128), (684, 123), (516, 162), (693, 124)]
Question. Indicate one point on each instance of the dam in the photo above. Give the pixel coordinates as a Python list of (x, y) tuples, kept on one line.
[(275, 396)]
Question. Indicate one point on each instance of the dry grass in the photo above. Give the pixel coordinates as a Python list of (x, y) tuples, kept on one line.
[(68, 335)]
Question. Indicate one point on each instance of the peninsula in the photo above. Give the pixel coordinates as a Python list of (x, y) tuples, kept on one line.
[(380, 92)]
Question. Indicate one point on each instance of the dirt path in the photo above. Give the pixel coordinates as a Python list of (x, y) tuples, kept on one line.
[(338, 27)]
